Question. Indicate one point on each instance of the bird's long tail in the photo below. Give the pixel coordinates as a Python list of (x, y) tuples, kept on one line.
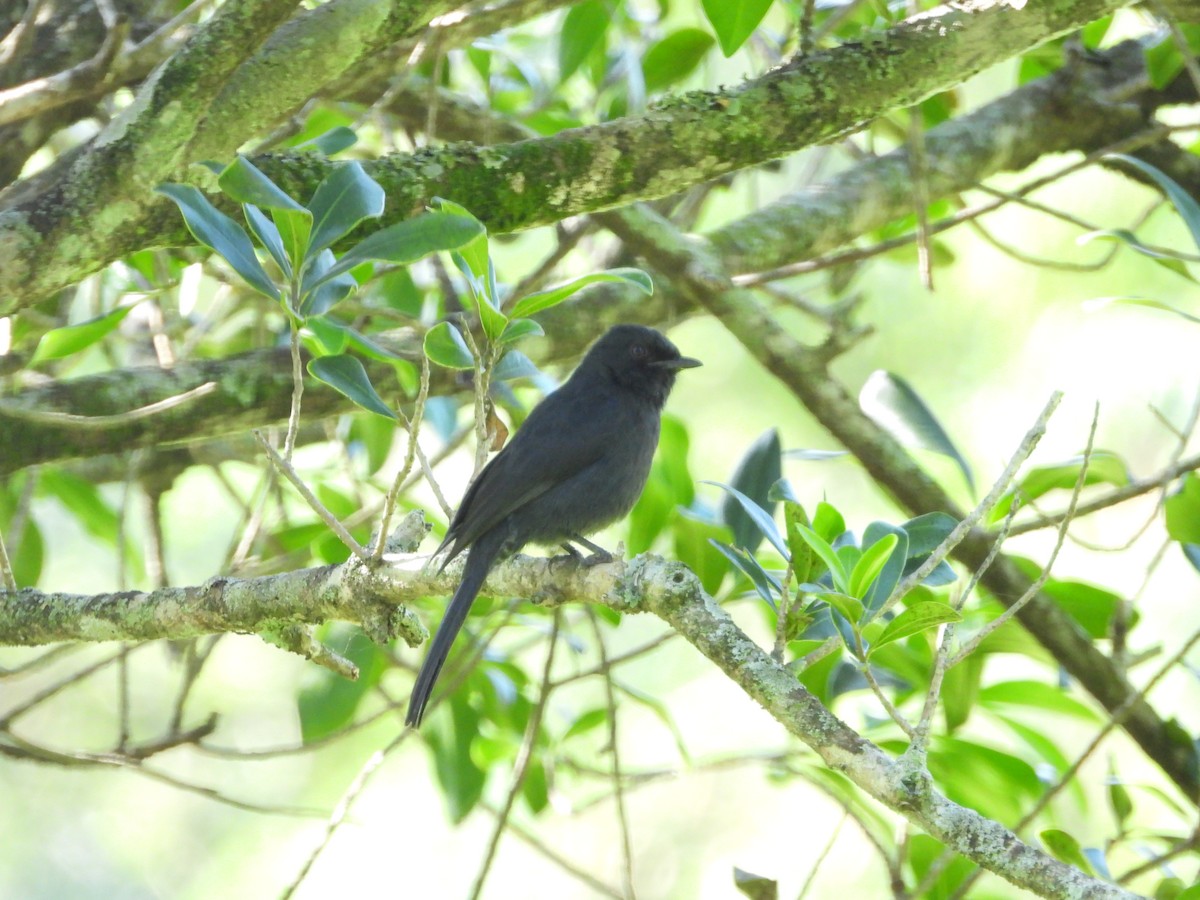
[(479, 560)]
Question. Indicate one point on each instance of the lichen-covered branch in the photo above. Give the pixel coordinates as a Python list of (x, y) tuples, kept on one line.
[(684, 141)]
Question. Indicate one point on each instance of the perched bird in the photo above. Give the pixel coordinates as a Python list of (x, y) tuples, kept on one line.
[(578, 463)]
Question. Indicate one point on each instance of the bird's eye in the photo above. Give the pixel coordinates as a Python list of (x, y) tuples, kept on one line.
[(639, 351)]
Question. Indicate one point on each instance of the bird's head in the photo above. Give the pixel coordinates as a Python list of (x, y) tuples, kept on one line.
[(639, 359)]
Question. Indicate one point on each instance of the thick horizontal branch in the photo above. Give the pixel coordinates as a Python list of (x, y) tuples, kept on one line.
[(685, 141), (667, 589)]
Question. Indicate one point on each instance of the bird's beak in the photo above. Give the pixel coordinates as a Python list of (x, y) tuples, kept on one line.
[(682, 362)]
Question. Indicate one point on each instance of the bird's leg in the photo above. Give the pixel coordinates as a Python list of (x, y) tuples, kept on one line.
[(599, 554)]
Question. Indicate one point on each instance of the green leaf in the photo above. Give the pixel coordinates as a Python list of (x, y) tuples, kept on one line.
[(828, 522), (410, 240), (514, 364), (488, 305), (869, 565), (218, 232), (347, 196), (893, 569), (960, 691), (915, 619), (851, 608), (84, 501), (583, 28), (692, 535), (1118, 797), (672, 59), (894, 406), (1036, 695), (535, 303), (766, 586), (475, 251), (60, 342), (760, 520), (346, 375), (450, 738), (319, 293), (1066, 849), (268, 235), (586, 722), (1182, 511), (756, 887), (445, 345), (756, 473), (1188, 208), (373, 436), (837, 571), (1103, 468), (804, 559), (328, 702), (734, 20), (330, 142), (519, 328), (1147, 302), (1173, 262), (245, 183)]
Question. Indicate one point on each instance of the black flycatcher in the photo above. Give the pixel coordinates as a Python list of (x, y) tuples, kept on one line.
[(578, 463)]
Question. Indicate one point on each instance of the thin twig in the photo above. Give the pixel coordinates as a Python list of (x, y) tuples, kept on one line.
[(6, 572), (289, 443), (414, 431), (970, 646), (823, 855), (326, 516), (521, 766), (100, 423), (613, 748)]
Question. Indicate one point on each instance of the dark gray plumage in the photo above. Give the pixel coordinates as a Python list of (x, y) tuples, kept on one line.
[(577, 464)]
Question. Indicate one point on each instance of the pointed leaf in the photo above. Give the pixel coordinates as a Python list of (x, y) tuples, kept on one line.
[(837, 571), (535, 303), (672, 59), (767, 586), (734, 20), (245, 183), (1103, 468), (1185, 205), (410, 240), (828, 523), (475, 251), (754, 477), (515, 364), (218, 232), (268, 235), (318, 292), (1167, 259), (893, 570), (759, 518), (583, 28), (917, 618), (346, 375), (895, 407), (870, 564), (1065, 848), (59, 342), (520, 328), (346, 197), (331, 142), (445, 346)]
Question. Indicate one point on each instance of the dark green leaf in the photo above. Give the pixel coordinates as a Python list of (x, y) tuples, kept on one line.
[(346, 375), (450, 738), (268, 235), (734, 20), (514, 364), (445, 346), (374, 436), (520, 328), (1185, 205), (889, 576), (218, 232), (754, 477), (583, 28), (960, 690), (60, 342), (837, 570), (760, 520), (672, 59), (245, 183), (319, 292), (346, 197), (895, 407), (535, 303), (328, 702), (767, 586), (410, 240)]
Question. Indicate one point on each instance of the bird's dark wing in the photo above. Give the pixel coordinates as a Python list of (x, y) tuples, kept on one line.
[(565, 433)]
